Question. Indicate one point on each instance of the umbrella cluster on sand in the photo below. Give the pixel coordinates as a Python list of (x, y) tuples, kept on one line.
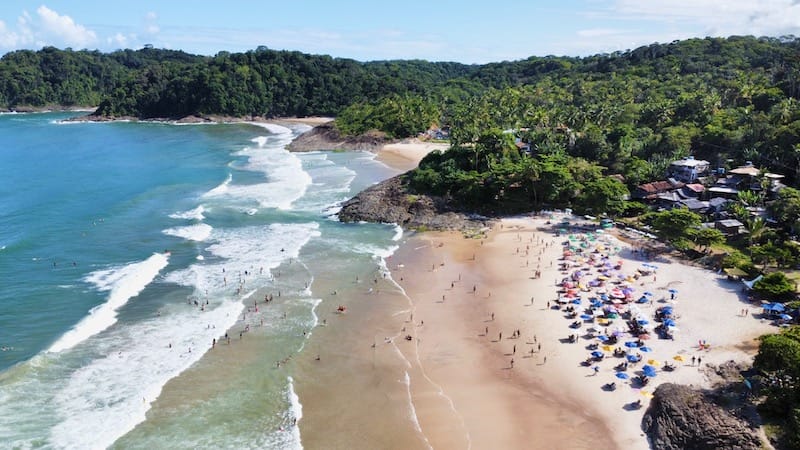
[(598, 293)]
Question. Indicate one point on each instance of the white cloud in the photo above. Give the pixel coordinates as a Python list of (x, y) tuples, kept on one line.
[(717, 17), (8, 38), (119, 40), (151, 23), (64, 29)]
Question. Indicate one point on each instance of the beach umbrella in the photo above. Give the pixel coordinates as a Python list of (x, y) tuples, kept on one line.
[(645, 349), (646, 394), (586, 317), (648, 370), (669, 322), (678, 358), (602, 338), (672, 291), (653, 362), (631, 344), (632, 358), (597, 354), (642, 322), (785, 317), (607, 348), (577, 301), (622, 375), (648, 293), (644, 336)]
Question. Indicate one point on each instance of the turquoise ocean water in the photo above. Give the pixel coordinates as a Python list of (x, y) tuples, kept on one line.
[(126, 248)]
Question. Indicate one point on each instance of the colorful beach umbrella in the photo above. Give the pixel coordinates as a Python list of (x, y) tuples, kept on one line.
[(632, 344), (678, 358), (645, 349), (653, 362), (597, 354), (607, 348), (622, 375)]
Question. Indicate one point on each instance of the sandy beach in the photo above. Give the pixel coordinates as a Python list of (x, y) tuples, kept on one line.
[(473, 296), (405, 156), (468, 351)]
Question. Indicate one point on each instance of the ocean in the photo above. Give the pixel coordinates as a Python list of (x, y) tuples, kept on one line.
[(129, 250)]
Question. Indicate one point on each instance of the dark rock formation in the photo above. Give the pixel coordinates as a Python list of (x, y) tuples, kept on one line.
[(391, 202), (681, 418), (326, 137)]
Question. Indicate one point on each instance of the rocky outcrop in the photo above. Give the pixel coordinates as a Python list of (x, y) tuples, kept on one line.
[(391, 202), (326, 137), (682, 418)]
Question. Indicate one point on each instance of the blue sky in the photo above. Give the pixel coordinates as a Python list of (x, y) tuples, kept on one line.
[(444, 30)]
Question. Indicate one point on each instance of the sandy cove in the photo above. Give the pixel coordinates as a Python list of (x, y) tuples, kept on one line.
[(464, 390)]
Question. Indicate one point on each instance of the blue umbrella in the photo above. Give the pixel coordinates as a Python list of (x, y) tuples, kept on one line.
[(632, 358), (631, 344), (642, 322), (577, 301), (596, 303), (785, 317), (586, 317), (673, 291), (669, 322), (602, 338), (604, 297), (643, 299), (597, 354), (649, 370), (645, 349), (648, 293), (777, 307), (622, 375), (667, 310)]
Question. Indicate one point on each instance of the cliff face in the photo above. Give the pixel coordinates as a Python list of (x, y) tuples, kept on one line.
[(681, 418), (391, 202)]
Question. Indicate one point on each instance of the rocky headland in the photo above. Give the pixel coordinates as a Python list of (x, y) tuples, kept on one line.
[(391, 201), (681, 417)]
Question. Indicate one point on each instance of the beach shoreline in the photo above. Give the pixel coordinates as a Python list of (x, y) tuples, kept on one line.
[(463, 293)]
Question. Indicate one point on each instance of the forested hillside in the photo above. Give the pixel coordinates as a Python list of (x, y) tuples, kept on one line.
[(628, 112), (151, 83)]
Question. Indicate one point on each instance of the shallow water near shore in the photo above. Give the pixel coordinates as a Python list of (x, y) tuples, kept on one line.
[(128, 248)]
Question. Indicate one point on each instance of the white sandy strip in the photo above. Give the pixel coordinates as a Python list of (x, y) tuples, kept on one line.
[(708, 307)]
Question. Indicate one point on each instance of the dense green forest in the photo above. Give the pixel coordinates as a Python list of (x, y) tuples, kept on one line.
[(629, 113), (150, 83)]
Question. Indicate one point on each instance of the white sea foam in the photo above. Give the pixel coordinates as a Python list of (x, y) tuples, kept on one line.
[(248, 249), (330, 183), (192, 214), (197, 232), (273, 128), (123, 283), (296, 412), (221, 189), (108, 392), (286, 181), (398, 233)]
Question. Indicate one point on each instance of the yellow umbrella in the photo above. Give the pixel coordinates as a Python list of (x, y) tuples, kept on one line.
[(678, 358), (646, 394), (653, 362), (602, 321), (607, 348)]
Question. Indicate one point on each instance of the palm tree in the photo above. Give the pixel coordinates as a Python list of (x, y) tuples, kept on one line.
[(755, 228)]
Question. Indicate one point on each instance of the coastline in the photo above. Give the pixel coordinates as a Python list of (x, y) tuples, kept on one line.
[(463, 390)]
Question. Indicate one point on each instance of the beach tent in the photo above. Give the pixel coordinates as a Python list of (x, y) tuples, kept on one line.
[(749, 284)]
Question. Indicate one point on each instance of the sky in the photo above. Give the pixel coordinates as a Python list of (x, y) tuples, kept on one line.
[(477, 31)]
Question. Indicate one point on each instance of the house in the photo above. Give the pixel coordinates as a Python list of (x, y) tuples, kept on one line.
[(688, 169), (729, 227), (694, 205), (651, 191)]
